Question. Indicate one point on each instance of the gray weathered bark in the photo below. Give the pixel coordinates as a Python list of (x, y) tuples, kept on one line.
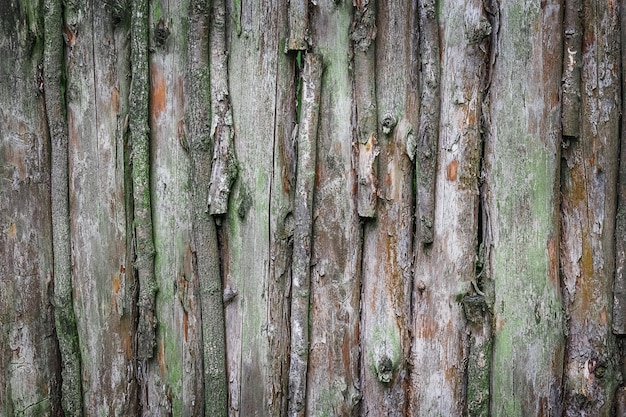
[(196, 220), (588, 186), (522, 200)]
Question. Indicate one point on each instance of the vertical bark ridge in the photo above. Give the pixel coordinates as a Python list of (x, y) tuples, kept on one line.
[(224, 168), (303, 211), (176, 373), (255, 233), (65, 319), (363, 36), (522, 156), (387, 264), (451, 320), (589, 174), (572, 58), (205, 242), (298, 26), (428, 130), (333, 382), (140, 159), (97, 64), (29, 366)]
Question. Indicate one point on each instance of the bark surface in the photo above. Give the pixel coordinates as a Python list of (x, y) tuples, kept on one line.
[(312, 208)]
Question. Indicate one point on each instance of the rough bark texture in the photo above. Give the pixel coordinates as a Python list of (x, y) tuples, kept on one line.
[(589, 174), (174, 383), (204, 244), (29, 367), (333, 377), (255, 232), (572, 57), (619, 286), (428, 129), (522, 160), (363, 36), (224, 170), (387, 247), (303, 212), (427, 223), (446, 278), (141, 89), (65, 319), (298, 25), (103, 290)]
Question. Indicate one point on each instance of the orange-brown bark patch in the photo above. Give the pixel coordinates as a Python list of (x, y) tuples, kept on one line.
[(553, 270), (451, 170), (429, 328), (157, 92), (115, 99), (161, 357), (12, 231)]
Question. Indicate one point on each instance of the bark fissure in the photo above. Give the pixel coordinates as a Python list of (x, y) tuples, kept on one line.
[(430, 107), (65, 319), (302, 236), (140, 160)]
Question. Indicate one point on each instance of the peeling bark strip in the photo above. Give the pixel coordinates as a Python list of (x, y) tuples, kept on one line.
[(428, 131), (65, 319), (140, 160), (572, 58), (303, 212), (588, 208), (363, 34), (298, 26), (205, 243), (224, 170), (619, 286)]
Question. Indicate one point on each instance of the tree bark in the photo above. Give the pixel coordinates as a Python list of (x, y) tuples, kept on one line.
[(65, 319), (588, 210), (522, 159), (96, 65), (311, 208), (387, 243), (196, 138), (447, 275), (30, 379)]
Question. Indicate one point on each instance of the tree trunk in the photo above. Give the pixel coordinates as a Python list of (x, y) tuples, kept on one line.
[(322, 208), (522, 160), (29, 354)]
